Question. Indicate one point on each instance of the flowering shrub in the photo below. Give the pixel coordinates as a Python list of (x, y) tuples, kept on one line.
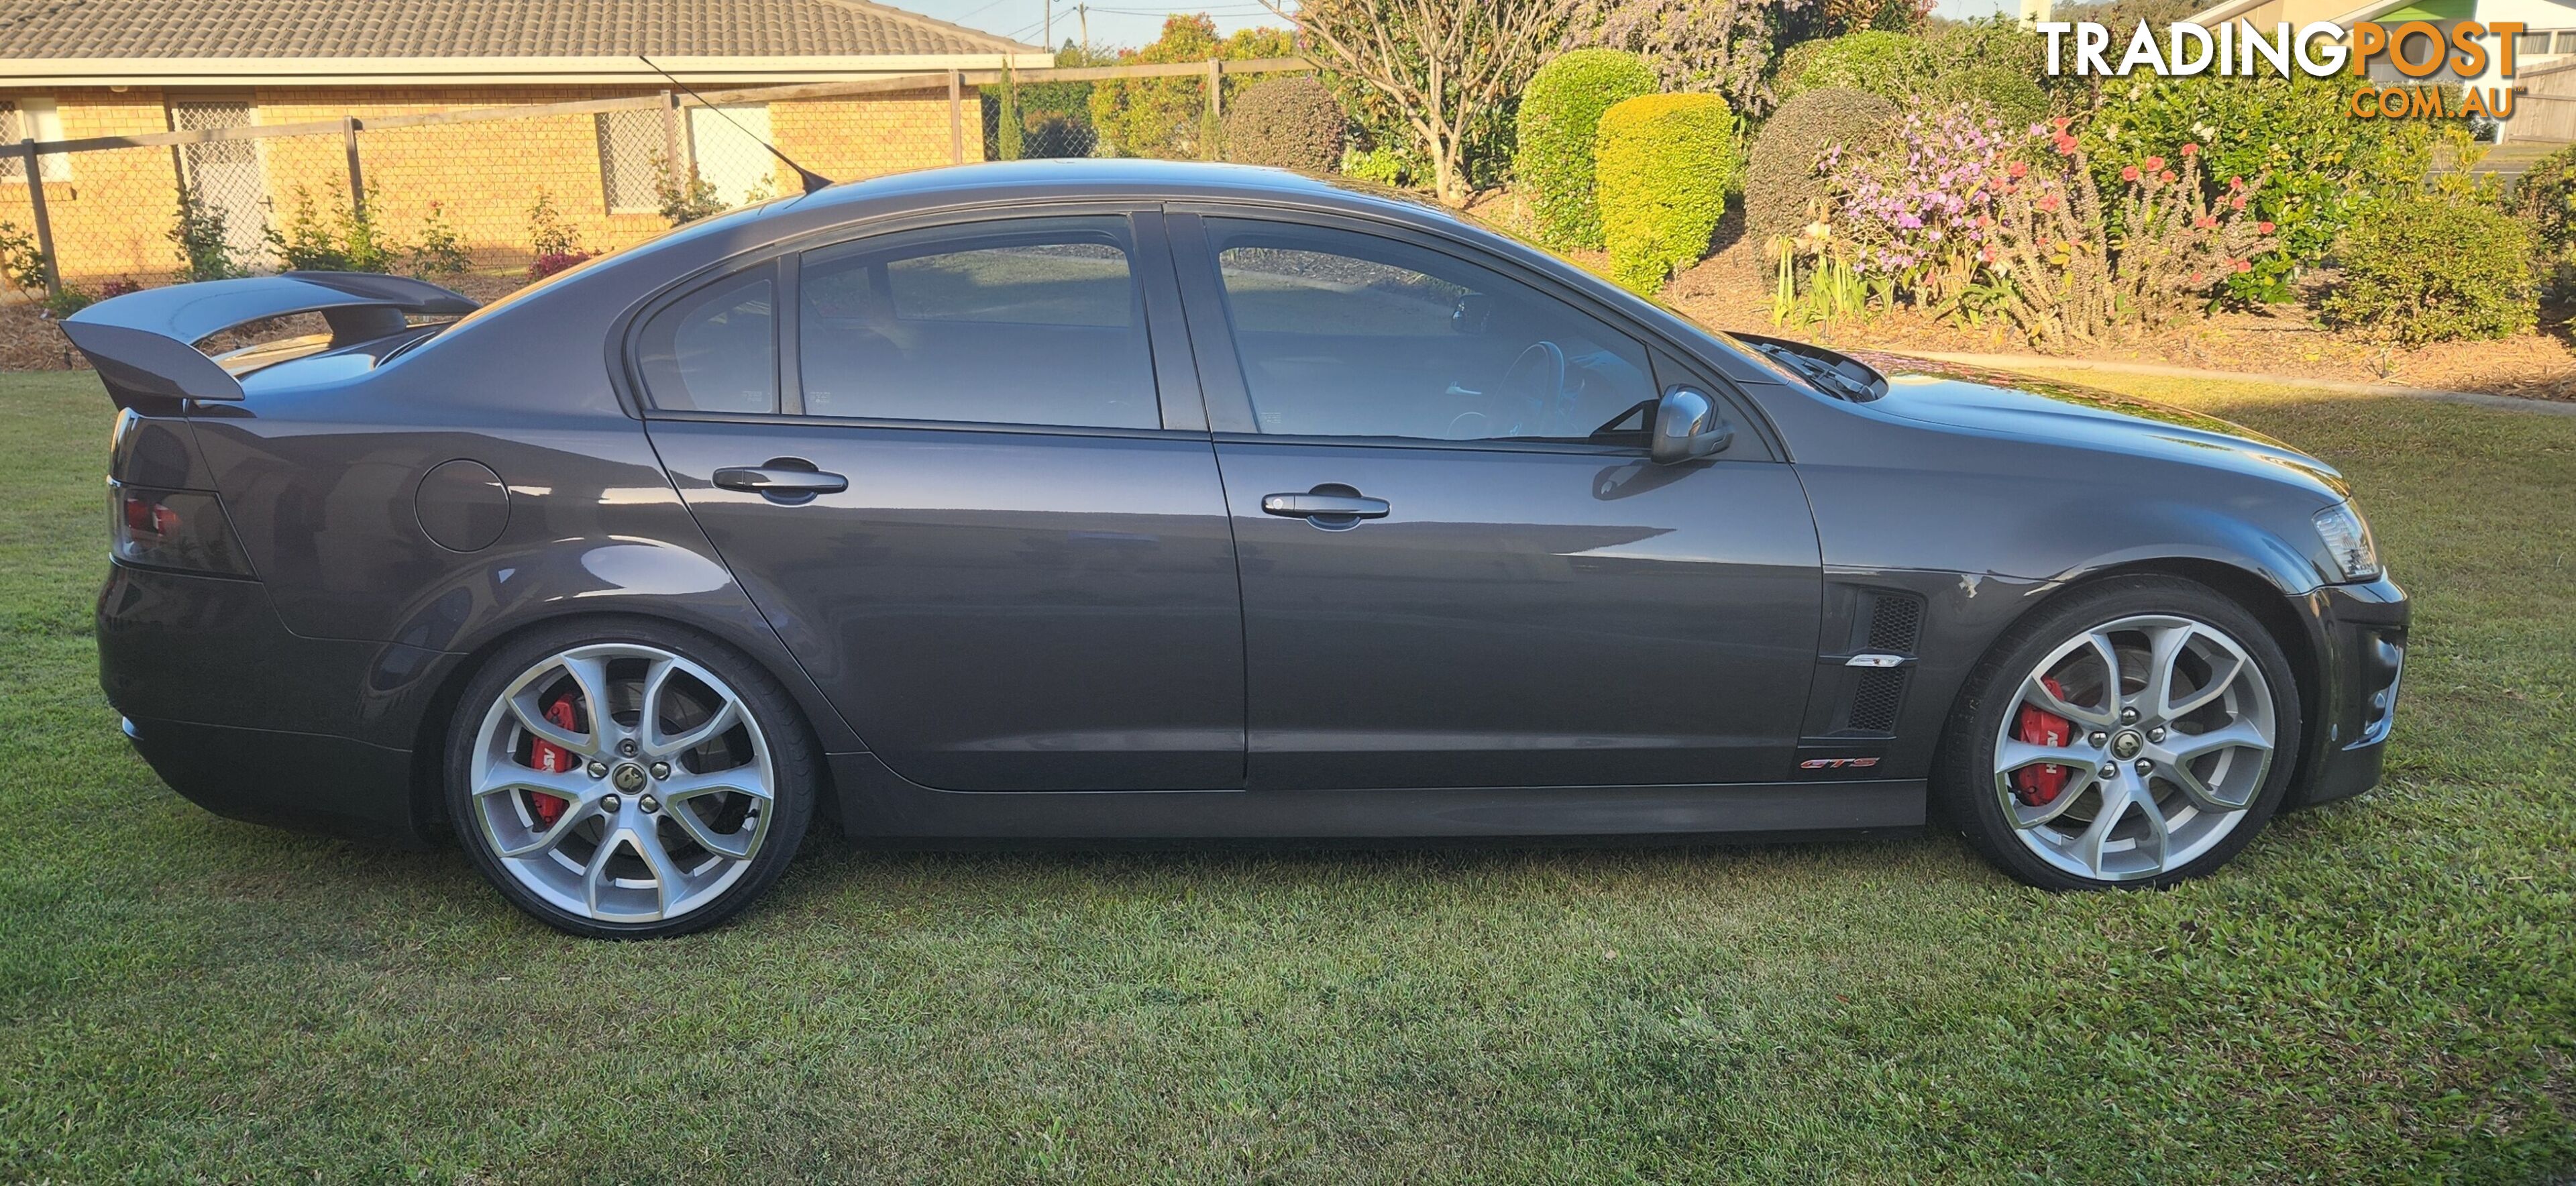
[(2076, 269), (1919, 210), (556, 261)]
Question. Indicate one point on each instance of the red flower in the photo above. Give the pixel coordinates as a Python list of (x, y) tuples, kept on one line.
[(2198, 278), (2049, 202), (2205, 221), (2263, 228), (2019, 169), (2129, 174), (2243, 266), (2167, 176), (2066, 145), (2237, 202), (2235, 183), (2059, 123), (2191, 150), (2154, 163)]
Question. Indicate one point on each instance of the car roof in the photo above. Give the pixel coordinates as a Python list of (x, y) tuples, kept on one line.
[(1087, 176)]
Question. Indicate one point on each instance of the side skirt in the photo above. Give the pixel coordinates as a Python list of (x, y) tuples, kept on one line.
[(876, 802)]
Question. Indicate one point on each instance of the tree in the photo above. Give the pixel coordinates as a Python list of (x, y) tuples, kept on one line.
[(1166, 117), (1446, 68)]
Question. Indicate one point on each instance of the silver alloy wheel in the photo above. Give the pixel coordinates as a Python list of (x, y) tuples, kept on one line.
[(2171, 737), (666, 796)]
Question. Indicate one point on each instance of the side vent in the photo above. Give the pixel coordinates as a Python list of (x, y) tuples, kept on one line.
[(1883, 622), (1875, 698), (1895, 620)]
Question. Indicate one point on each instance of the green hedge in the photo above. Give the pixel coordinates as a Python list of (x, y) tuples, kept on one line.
[(1663, 165), (2546, 200), (2010, 95), (1560, 113), (1891, 66), (2423, 269), (1289, 123), (1780, 181)]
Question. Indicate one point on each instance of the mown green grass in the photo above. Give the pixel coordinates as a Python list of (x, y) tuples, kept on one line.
[(2382, 989)]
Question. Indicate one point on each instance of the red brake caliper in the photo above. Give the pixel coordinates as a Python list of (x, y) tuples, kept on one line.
[(2038, 786), (553, 759)]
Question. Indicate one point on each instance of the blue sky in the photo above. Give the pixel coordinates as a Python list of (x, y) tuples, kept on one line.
[(1134, 22)]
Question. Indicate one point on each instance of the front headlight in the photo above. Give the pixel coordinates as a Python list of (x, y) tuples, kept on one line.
[(2347, 538)]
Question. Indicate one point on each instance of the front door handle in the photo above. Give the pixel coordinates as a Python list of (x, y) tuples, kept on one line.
[(781, 477), (1322, 505)]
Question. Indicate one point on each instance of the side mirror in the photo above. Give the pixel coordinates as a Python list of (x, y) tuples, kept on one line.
[(1471, 313), (1687, 427)]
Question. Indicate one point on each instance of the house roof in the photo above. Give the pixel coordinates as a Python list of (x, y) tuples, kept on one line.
[(350, 40)]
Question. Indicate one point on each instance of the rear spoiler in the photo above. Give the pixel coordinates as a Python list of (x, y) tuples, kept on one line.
[(143, 344)]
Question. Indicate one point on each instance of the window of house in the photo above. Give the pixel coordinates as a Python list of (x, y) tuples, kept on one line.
[(630, 145), (2531, 43), (2567, 41), (37, 119)]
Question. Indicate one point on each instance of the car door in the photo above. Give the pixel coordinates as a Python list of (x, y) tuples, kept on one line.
[(947, 466), (1459, 566)]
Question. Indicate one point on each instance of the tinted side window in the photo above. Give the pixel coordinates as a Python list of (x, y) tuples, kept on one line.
[(1346, 334), (716, 350), (1023, 321)]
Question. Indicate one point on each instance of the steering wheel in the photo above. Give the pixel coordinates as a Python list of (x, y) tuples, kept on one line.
[(1537, 379)]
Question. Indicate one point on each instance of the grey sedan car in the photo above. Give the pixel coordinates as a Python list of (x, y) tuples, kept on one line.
[(1157, 501)]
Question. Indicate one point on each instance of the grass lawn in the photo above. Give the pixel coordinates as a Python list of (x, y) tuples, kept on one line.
[(2380, 989)]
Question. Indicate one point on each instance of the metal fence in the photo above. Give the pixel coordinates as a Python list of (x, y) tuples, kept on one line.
[(423, 185)]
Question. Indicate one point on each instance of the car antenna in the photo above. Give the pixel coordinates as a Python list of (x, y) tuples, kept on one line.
[(813, 180)]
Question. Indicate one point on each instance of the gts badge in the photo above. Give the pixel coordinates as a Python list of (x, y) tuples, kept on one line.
[(1837, 763)]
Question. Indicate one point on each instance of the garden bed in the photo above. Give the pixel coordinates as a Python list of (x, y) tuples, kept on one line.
[(1732, 290)]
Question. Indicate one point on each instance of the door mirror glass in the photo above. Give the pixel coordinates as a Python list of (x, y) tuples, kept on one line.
[(1688, 426)]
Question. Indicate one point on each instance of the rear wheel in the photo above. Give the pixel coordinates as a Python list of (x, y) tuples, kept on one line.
[(629, 780), (2137, 732)]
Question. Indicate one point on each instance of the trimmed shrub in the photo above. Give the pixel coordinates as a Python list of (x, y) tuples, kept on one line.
[(1888, 65), (1560, 115), (1781, 181), (1662, 166), (2009, 95), (1290, 122), (2546, 200), (2418, 270)]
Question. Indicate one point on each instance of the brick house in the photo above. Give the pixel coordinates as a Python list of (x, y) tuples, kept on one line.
[(123, 67)]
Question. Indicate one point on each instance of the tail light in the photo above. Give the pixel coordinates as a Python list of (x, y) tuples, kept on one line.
[(183, 529)]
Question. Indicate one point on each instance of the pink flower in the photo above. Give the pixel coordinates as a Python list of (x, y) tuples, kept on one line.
[(2243, 266), (2236, 203), (2167, 176), (2019, 169), (2049, 202), (2263, 227), (2235, 183), (2205, 221), (2129, 174), (2198, 278), (2191, 150), (2154, 163)]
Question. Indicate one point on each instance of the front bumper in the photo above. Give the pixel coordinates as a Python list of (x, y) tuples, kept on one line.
[(2357, 633)]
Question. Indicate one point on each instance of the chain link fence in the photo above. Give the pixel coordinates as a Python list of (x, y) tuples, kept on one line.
[(469, 186)]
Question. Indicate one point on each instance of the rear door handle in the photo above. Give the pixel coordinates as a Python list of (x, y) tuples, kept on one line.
[(1313, 505), (782, 477)]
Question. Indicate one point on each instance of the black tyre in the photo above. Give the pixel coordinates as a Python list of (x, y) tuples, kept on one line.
[(2133, 732), (628, 779)]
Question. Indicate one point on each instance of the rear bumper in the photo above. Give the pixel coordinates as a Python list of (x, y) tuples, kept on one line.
[(251, 721), (2358, 633)]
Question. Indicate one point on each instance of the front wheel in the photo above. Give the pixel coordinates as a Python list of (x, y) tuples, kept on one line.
[(2134, 733), (628, 780)]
